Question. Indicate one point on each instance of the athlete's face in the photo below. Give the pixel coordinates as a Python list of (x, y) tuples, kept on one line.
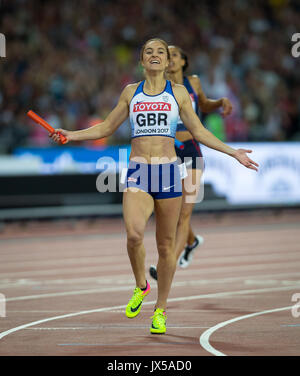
[(155, 56), (176, 61)]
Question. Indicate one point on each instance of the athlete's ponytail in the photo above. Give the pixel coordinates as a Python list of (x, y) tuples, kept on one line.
[(185, 58)]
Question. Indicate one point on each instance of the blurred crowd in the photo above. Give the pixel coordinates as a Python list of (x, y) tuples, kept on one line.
[(69, 61)]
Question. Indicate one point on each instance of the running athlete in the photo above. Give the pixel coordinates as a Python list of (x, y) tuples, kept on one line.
[(189, 148), (153, 106)]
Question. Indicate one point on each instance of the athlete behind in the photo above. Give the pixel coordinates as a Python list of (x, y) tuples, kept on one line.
[(189, 149), (153, 179)]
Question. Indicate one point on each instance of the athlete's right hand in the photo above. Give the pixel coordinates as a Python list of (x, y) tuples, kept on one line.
[(55, 136), (242, 157)]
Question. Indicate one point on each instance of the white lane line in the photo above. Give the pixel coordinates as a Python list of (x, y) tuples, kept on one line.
[(15, 283), (260, 255), (130, 287), (118, 327), (137, 344), (204, 338), (125, 268), (127, 278), (69, 293), (7, 332), (185, 298)]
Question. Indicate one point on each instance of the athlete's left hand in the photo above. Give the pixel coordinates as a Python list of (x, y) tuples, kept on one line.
[(227, 107), (242, 157)]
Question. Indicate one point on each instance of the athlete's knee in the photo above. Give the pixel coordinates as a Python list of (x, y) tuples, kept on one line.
[(135, 237), (165, 247)]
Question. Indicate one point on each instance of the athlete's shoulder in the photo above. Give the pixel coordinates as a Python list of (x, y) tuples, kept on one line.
[(129, 90), (180, 93), (178, 88), (194, 79), (193, 76), (131, 87), (134, 85), (196, 83)]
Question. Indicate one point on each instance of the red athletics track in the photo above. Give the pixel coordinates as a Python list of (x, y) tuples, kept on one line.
[(66, 284)]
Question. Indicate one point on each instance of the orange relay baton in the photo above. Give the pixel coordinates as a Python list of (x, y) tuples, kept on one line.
[(46, 125)]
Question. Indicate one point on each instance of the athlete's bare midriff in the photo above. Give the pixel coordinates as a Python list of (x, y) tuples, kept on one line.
[(152, 149)]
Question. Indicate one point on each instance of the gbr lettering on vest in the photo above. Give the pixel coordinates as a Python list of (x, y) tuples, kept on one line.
[(153, 115)]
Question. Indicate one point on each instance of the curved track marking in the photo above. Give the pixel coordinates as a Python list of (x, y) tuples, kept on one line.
[(204, 338)]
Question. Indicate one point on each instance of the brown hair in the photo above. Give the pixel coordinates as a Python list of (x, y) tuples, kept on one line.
[(165, 44)]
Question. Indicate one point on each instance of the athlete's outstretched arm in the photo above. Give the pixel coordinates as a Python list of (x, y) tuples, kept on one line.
[(209, 105), (104, 129), (201, 134)]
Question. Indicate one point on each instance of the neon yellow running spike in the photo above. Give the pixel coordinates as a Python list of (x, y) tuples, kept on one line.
[(135, 303), (159, 322)]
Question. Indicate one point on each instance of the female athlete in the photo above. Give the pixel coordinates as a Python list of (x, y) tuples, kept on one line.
[(153, 178)]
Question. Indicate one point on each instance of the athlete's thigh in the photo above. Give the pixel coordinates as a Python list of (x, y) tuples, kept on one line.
[(137, 208), (166, 216)]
